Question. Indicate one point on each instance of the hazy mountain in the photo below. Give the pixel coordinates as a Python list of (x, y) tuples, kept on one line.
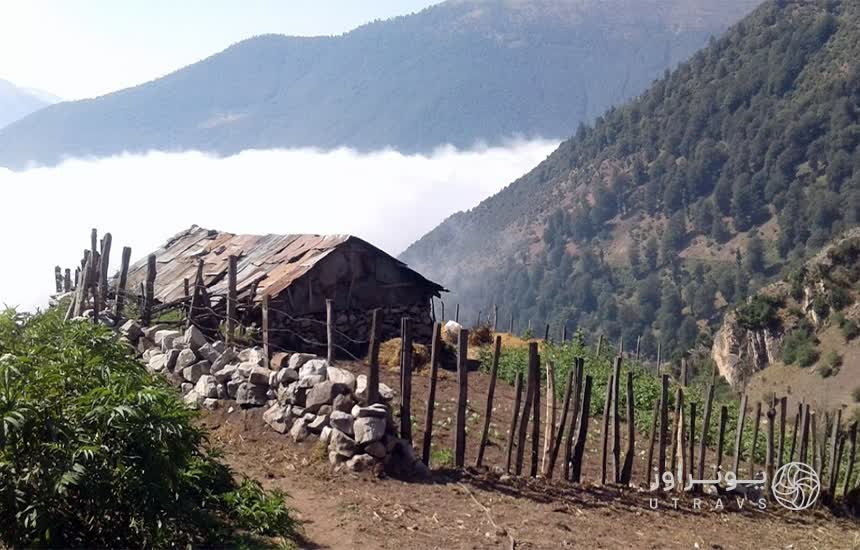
[(459, 72), (16, 103), (728, 171)]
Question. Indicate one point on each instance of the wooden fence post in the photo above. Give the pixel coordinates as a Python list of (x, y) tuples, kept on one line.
[(104, 264), (581, 433), (664, 428), (616, 422), (638, 346), (197, 298), (813, 430), (457, 314), (739, 441), (768, 467), (680, 452), (833, 469), (804, 434), (488, 411), (599, 346), (149, 291), (795, 429), (406, 379), (652, 440), (463, 384), (83, 286), (549, 427), (852, 454), (123, 282), (783, 410), (527, 410), (67, 280), (534, 363), (721, 437), (692, 458), (265, 327), (546, 334), (329, 328), (627, 470), (559, 436), (518, 394), (373, 374), (755, 438), (607, 407), (677, 420), (511, 328), (495, 318), (431, 395), (58, 279), (659, 355), (703, 442), (579, 363)]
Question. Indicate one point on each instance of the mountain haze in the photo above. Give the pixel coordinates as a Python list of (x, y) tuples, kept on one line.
[(16, 102), (726, 172), (461, 72)]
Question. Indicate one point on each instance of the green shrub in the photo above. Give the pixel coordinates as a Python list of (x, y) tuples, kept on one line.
[(800, 346), (95, 451), (850, 330), (759, 312)]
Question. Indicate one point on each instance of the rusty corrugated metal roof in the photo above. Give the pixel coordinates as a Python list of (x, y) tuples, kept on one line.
[(273, 262)]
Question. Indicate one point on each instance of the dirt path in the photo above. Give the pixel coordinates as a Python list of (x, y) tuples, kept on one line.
[(480, 509)]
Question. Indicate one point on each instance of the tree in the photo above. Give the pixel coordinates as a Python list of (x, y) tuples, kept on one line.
[(650, 253), (634, 259), (674, 235), (754, 257)]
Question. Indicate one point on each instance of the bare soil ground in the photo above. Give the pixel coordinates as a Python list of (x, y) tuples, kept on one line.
[(481, 509)]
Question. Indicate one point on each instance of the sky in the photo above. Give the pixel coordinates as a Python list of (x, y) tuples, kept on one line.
[(76, 49)]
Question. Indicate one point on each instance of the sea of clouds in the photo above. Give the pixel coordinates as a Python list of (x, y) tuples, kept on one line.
[(388, 198)]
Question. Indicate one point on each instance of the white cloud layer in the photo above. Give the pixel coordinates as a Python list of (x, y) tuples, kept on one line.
[(386, 197)]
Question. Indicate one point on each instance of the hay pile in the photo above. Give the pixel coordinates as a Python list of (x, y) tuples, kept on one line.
[(389, 354)]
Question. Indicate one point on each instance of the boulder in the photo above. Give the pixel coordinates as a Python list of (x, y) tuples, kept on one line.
[(145, 344), (253, 355), (225, 373), (186, 358), (208, 352), (222, 391), (233, 388), (193, 399), (317, 424), (251, 395), (193, 338), (165, 338), (279, 360), (297, 360), (172, 357), (314, 367), (310, 381), (285, 376), (377, 410), (323, 394), (157, 362), (342, 421), (131, 330), (207, 386), (227, 356), (299, 431), (219, 346), (360, 463), (293, 394), (150, 331), (194, 372), (278, 418), (341, 376), (186, 387), (343, 402), (385, 393), (210, 403), (325, 435), (325, 410), (368, 429), (258, 375), (341, 443)]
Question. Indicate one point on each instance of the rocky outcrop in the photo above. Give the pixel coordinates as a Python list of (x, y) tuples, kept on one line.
[(740, 352)]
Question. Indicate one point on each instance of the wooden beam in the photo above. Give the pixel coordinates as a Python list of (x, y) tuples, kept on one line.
[(462, 397), (123, 283), (435, 349), (406, 379), (373, 375), (518, 393), (488, 410)]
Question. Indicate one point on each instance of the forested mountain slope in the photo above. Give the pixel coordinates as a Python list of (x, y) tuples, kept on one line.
[(460, 72), (727, 171)]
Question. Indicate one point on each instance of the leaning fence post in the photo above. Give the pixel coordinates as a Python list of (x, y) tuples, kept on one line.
[(197, 295), (627, 471), (692, 458), (664, 428), (463, 384), (534, 364), (638, 346), (549, 428), (739, 441), (607, 404), (518, 394), (755, 438), (834, 459), (406, 379), (783, 410), (703, 442), (582, 432), (149, 290), (558, 438), (431, 396), (527, 410), (574, 415), (794, 430), (488, 411), (231, 299), (653, 438), (771, 414), (678, 420), (852, 454), (123, 282), (721, 437), (804, 434), (616, 424), (103, 269), (329, 329), (373, 374)]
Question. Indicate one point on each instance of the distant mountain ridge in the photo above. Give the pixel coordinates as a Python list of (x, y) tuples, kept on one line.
[(725, 173), (461, 72), (17, 102)]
